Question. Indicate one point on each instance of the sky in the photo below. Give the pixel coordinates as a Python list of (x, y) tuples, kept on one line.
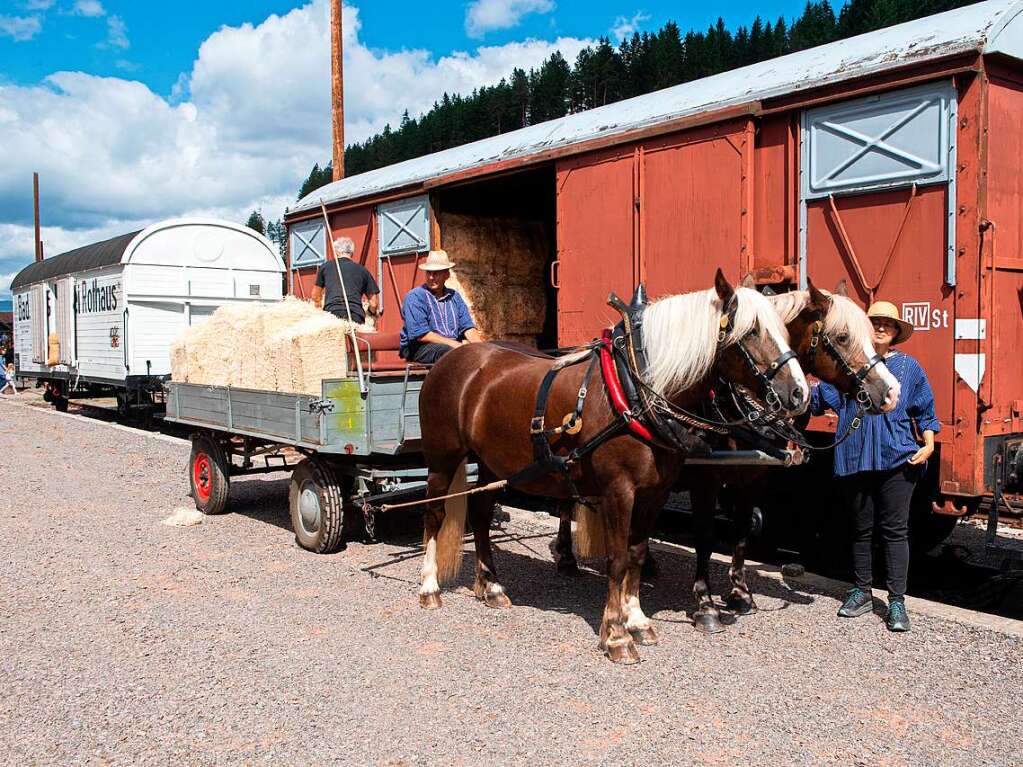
[(135, 111)]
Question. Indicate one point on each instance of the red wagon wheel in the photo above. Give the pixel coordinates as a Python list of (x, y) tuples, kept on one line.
[(208, 475)]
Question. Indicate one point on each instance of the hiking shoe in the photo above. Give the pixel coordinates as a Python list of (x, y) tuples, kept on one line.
[(897, 619), (857, 602)]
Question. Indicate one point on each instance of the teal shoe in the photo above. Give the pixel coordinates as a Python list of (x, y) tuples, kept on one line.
[(857, 602), (897, 619)]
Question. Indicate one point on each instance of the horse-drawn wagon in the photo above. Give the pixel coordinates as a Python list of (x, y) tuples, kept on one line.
[(354, 448)]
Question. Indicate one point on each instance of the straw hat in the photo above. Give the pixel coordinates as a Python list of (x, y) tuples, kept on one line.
[(889, 312), (436, 260)]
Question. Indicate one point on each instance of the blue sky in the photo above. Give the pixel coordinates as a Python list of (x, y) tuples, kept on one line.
[(137, 111)]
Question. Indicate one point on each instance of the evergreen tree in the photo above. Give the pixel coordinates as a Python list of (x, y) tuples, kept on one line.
[(602, 74), (256, 222)]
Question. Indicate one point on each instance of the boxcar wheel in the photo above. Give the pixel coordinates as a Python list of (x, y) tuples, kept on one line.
[(316, 502), (209, 475), (60, 404)]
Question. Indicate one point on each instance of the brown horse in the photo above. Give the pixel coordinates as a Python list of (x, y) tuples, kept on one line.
[(478, 401), (840, 354)]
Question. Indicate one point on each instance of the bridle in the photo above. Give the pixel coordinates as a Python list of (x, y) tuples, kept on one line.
[(765, 377), (819, 338)]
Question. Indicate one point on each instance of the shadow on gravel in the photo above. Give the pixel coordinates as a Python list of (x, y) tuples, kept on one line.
[(532, 581), (265, 500)]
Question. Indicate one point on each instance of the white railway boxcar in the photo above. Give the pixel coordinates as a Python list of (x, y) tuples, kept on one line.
[(102, 317)]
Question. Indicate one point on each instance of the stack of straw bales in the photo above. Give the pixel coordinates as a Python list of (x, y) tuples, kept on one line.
[(499, 270), (289, 346)]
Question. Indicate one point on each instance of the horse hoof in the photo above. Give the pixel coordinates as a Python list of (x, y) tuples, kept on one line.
[(497, 599), (430, 601), (623, 652), (644, 636), (741, 606), (568, 567), (708, 623)]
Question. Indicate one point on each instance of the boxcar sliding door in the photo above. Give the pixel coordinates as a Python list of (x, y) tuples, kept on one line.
[(877, 209)]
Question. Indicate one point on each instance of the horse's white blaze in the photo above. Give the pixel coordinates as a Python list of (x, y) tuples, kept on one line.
[(793, 364), (636, 617), (429, 581)]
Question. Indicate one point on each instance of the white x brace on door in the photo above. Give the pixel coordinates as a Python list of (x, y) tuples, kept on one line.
[(308, 243), (898, 139), (404, 226)]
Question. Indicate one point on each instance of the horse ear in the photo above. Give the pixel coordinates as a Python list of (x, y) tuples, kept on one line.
[(842, 288), (722, 286), (748, 282), (818, 299)]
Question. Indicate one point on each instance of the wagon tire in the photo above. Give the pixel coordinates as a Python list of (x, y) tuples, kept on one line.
[(209, 475), (316, 502)]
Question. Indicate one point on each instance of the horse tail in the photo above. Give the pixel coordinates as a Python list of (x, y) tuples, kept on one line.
[(452, 529), (590, 533)]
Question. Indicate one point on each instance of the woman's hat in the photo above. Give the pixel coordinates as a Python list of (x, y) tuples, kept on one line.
[(889, 312), (436, 260)]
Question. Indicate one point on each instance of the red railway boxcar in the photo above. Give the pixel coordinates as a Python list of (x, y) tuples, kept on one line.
[(891, 160)]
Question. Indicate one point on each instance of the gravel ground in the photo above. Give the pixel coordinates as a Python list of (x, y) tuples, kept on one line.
[(124, 641)]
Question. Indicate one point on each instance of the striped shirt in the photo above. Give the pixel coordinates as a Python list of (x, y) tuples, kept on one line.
[(885, 440), (422, 313)]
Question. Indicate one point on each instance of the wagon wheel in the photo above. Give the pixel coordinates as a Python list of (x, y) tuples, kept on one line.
[(209, 475), (316, 502)]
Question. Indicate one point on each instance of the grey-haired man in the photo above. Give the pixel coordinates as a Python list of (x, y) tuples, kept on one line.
[(358, 282)]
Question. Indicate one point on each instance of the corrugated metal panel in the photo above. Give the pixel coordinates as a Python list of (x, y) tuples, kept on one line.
[(891, 139), (65, 300), (993, 26), (404, 226), (38, 312)]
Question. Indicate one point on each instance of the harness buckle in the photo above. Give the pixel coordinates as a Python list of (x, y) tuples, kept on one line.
[(536, 425), (855, 424)]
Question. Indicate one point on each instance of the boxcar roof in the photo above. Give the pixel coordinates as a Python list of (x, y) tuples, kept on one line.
[(81, 259), (123, 249), (988, 27)]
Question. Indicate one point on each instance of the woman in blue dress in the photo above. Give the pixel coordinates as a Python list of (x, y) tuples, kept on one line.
[(879, 464)]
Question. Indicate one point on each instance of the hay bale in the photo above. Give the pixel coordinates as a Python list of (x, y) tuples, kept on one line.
[(501, 268), (288, 346)]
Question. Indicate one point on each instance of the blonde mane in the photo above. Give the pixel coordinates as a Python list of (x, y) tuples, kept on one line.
[(681, 334), (844, 314)]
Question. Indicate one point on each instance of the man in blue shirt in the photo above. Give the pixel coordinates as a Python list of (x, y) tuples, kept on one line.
[(436, 319), (879, 464)]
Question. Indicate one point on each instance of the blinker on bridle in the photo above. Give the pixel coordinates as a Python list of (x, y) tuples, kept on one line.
[(819, 338), (764, 377)]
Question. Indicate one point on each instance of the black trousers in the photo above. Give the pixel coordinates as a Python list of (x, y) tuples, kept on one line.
[(881, 497), (427, 354)]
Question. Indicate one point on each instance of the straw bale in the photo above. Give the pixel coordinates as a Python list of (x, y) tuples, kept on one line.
[(287, 346), (500, 271)]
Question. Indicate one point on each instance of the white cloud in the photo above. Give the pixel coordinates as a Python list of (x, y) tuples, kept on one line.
[(39, 5), (625, 27), (239, 132), (482, 16), (20, 28), (117, 33), (90, 8)]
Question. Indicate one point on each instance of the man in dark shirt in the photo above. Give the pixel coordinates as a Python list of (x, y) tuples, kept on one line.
[(358, 282)]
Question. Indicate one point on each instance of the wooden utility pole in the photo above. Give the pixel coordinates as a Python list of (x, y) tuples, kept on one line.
[(35, 208), (337, 90)]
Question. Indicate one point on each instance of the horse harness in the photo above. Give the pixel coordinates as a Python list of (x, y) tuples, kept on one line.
[(760, 424), (641, 412)]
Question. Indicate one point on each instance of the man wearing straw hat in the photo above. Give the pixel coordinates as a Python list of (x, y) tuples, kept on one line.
[(358, 282), (436, 319), (879, 464)]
